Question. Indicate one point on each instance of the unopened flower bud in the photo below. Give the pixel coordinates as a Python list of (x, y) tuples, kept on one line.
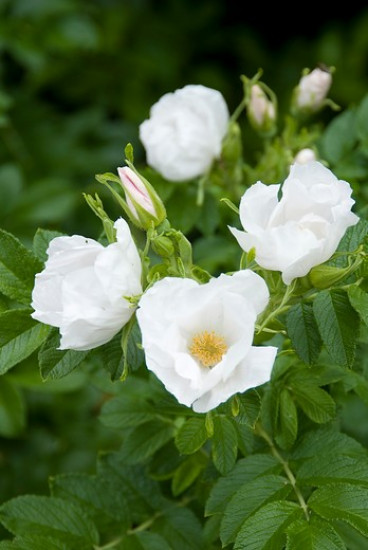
[(312, 90), (261, 110), (163, 246), (144, 205), (232, 143), (305, 155)]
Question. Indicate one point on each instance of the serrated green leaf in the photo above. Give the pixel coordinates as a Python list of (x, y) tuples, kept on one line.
[(316, 535), (340, 137), (265, 529), (12, 410), (41, 242), (180, 528), (322, 440), (96, 495), (141, 492), (144, 440), (124, 411), (192, 435), (112, 357), (287, 421), (359, 300), (245, 471), (303, 331), (247, 500), (55, 363), (20, 336), (343, 502), (18, 267), (187, 473), (224, 444), (353, 237), (135, 355), (338, 325), (49, 517), (332, 467), (249, 408), (316, 403)]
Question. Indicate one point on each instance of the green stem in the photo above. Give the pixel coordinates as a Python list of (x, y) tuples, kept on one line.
[(110, 544), (289, 474), (280, 309), (238, 111), (145, 525)]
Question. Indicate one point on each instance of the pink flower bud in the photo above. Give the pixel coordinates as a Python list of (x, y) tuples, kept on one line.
[(143, 204), (260, 108), (313, 89)]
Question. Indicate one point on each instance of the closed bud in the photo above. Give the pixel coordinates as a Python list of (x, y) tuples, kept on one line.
[(232, 143), (163, 246), (325, 276), (145, 207), (261, 110), (312, 90), (305, 155)]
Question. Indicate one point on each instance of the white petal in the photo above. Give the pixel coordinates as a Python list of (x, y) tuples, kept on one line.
[(254, 371), (257, 206)]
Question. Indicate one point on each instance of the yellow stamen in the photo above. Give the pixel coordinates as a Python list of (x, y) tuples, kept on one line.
[(208, 348)]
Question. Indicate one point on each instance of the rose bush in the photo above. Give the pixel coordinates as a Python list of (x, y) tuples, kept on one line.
[(183, 135), (200, 346), (301, 230), (83, 287)]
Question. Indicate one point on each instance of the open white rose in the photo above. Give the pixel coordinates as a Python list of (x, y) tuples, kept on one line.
[(198, 338), (301, 230), (184, 132), (81, 290)]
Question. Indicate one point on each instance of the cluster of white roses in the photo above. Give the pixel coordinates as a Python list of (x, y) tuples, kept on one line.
[(197, 338)]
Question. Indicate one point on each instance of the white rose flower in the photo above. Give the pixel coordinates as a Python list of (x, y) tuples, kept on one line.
[(301, 230), (312, 89), (184, 132), (198, 338), (81, 290)]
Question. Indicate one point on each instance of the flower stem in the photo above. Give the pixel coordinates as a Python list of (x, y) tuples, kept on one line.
[(289, 474), (280, 309)]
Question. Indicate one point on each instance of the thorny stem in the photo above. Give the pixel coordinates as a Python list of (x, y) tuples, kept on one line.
[(262, 433)]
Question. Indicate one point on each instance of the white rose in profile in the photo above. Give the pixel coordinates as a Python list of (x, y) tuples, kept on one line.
[(198, 338), (301, 230), (81, 290), (183, 135)]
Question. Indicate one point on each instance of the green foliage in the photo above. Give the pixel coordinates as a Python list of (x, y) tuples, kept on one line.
[(224, 444), (191, 436), (303, 331), (49, 517), (55, 363), (18, 267), (20, 336), (342, 501), (316, 535), (338, 325)]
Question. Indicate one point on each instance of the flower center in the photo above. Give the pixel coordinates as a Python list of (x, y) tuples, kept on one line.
[(208, 348)]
